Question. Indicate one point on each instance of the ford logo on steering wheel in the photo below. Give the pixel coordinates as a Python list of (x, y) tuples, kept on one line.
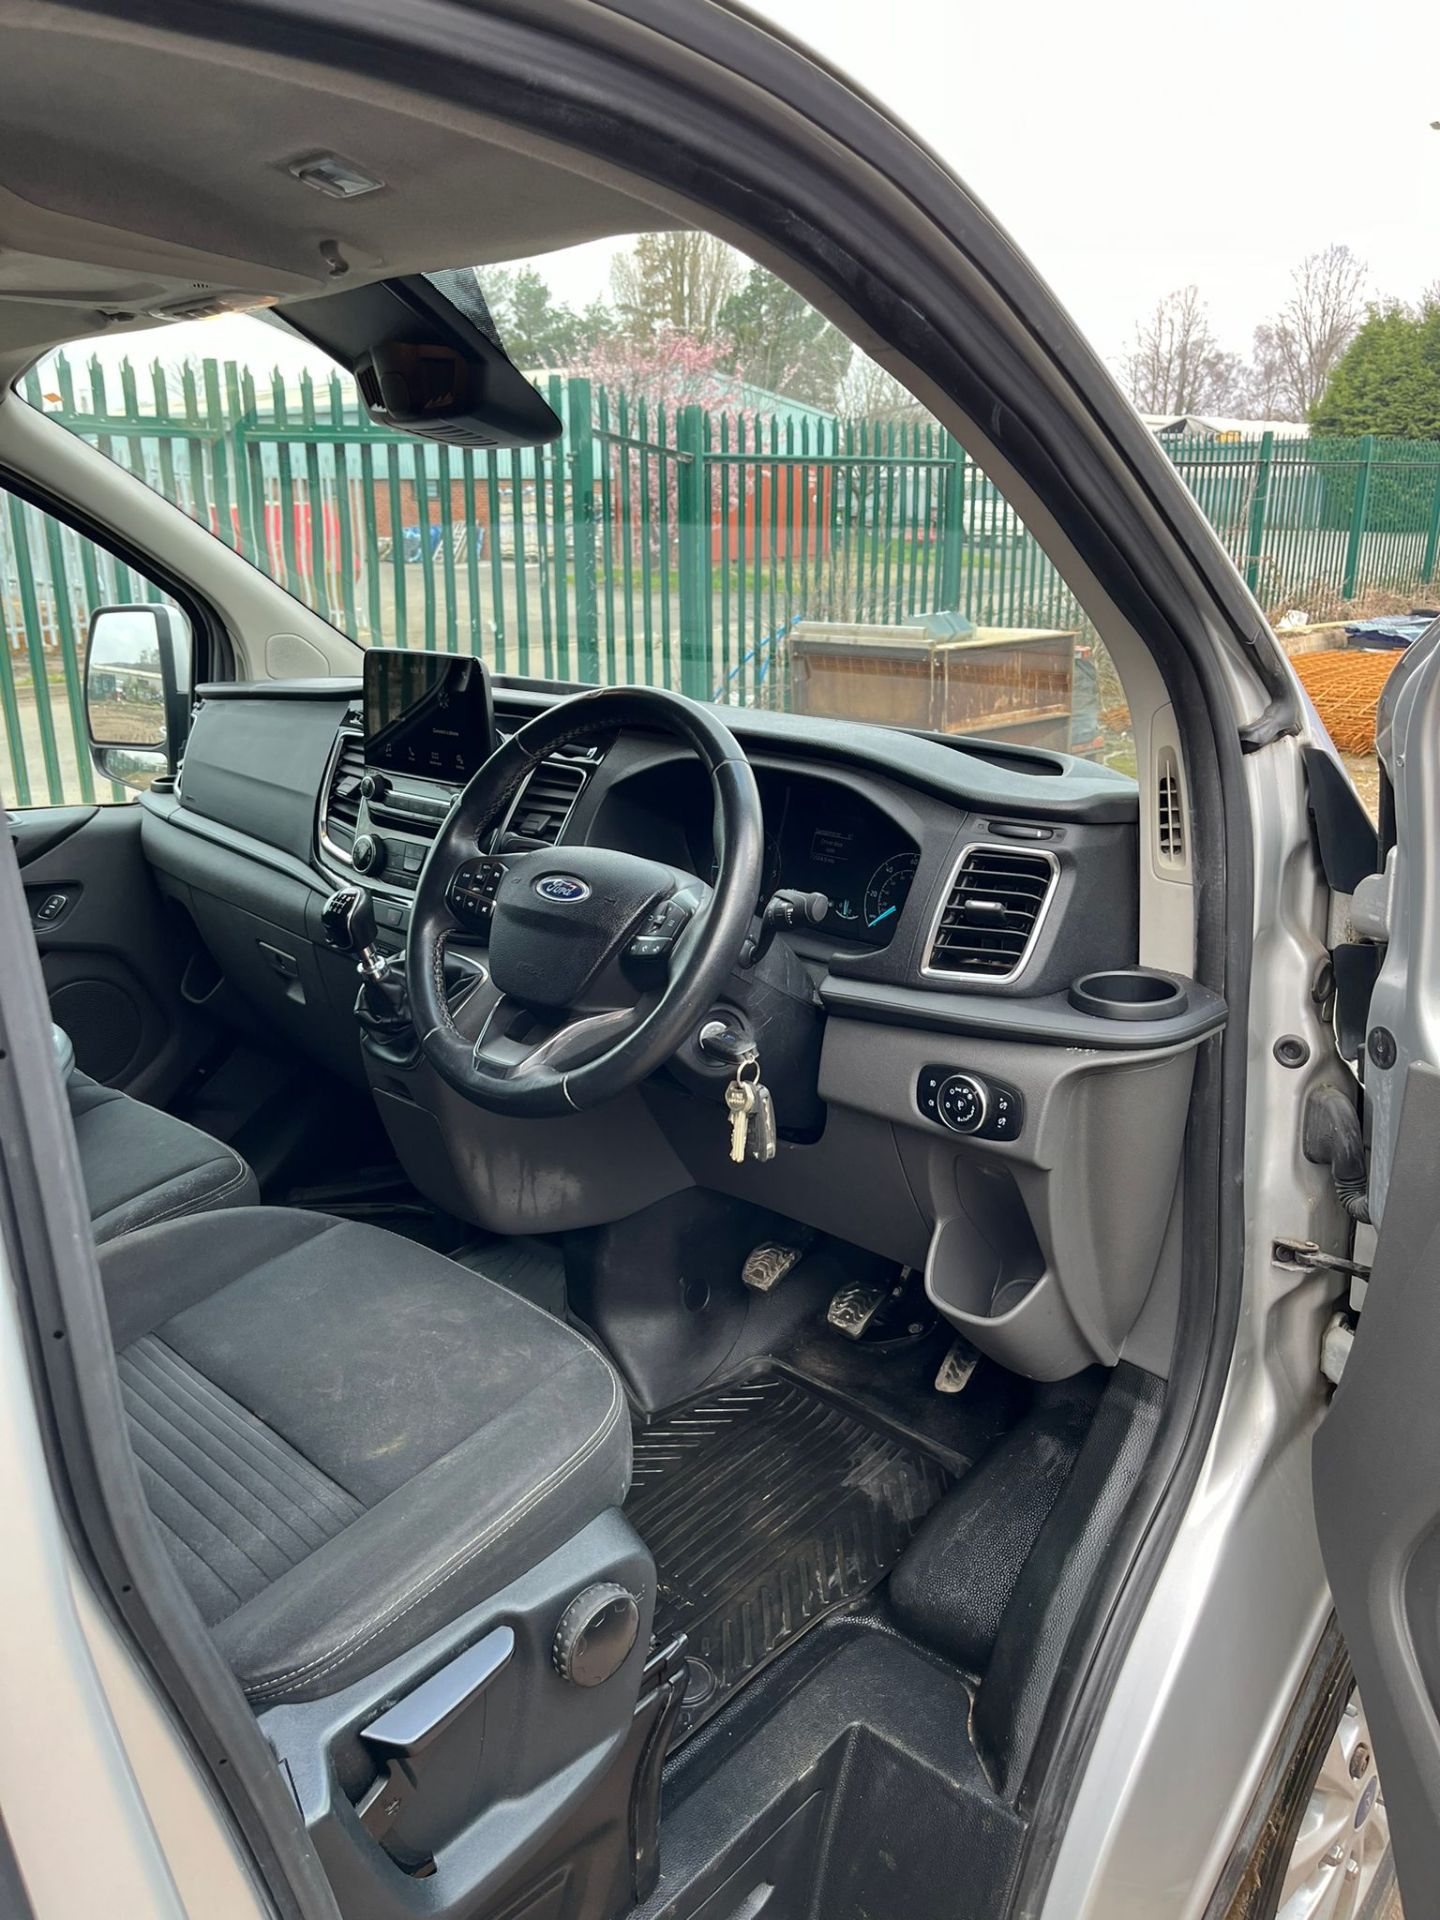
[(562, 886)]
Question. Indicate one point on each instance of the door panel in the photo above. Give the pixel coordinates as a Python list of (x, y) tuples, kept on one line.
[(111, 950), (1377, 1455), (1377, 1496)]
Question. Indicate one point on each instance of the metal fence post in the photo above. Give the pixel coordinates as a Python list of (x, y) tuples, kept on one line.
[(952, 543), (1432, 537), (691, 488), (1259, 507), (1358, 516), (34, 637), (581, 431)]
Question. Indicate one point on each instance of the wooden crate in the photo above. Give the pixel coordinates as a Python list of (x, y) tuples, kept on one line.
[(1008, 683)]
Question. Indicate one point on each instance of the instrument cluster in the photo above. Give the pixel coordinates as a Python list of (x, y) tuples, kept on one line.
[(821, 839)]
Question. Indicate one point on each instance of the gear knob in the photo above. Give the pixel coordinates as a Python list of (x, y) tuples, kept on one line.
[(348, 921)]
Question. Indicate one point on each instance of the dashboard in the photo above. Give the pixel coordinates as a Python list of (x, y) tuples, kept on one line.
[(942, 1099), (886, 824)]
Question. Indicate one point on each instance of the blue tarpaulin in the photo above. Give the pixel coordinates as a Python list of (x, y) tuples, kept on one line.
[(1394, 630)]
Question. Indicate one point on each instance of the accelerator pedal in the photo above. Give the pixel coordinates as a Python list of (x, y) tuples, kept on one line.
[(957, 1366)]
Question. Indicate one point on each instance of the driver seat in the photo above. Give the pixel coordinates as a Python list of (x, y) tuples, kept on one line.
[(391, 1488), (348, 1442)]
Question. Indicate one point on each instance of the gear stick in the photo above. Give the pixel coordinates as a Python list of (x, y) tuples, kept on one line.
[(347, 920)]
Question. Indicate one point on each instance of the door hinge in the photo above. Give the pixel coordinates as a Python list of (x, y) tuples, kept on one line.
[(1303, 1256)]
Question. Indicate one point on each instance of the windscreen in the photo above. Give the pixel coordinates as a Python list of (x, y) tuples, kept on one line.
[(743, 506)]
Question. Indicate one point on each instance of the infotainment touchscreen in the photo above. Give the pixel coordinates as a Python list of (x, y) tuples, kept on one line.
[(427, 713)]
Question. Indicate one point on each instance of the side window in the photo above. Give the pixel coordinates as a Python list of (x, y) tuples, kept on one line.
[(52, 583)]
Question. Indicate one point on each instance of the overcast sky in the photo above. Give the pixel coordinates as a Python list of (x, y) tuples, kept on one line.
[(1133, 146)]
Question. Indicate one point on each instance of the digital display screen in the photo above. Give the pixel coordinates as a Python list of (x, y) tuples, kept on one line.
[(429, 714)]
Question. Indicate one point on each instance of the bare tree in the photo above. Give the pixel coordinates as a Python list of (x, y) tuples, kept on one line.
[(676, 280), (1303, 344), (1267, 385), (1175, 363), (868, 392)]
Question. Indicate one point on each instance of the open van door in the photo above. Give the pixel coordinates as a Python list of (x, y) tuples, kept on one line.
[(1377, 1455)]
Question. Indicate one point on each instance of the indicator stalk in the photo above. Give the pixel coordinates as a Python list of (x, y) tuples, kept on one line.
[(787, 908)]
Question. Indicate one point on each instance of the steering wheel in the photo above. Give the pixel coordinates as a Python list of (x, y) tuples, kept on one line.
[(600, 963)]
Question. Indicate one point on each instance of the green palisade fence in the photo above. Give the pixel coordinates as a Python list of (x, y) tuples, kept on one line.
[(674, 545)]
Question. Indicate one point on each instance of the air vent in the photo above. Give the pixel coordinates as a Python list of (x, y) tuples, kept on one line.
[(992, 913), (1169, 810), (547, 800), (341, 808)]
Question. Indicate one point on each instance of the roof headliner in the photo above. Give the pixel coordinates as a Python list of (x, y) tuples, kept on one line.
[(147, 172)]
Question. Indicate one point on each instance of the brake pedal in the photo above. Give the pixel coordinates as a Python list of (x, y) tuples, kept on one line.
[(853, 1310), (957, 1367), (768, 1264), (885, 1312)]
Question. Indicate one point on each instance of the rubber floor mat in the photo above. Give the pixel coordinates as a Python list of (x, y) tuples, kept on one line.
[(767, 1506), (532, 1268)]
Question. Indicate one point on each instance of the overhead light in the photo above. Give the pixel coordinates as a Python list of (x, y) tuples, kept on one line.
[(208, 306), (329, 174)]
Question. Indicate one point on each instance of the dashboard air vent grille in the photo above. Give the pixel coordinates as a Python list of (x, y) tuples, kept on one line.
[(547, 800), (342, 797), (992, 912), (1169, 811)]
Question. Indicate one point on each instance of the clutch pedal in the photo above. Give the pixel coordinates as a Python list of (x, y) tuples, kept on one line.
[(768, 1264)]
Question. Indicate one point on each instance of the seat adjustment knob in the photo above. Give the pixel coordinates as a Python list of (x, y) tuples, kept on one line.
[(595, 1634)]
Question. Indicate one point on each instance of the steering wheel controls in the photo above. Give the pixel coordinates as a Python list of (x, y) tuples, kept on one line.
[(659, 931), (970, 1103), (473, 890)]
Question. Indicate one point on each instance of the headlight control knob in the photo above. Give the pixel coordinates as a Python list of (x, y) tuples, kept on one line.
[(964, 1103)]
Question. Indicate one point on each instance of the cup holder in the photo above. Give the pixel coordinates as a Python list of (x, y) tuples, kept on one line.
[(1130, 993)]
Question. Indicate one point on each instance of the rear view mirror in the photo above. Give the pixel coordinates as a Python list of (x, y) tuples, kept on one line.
[(137, 691)]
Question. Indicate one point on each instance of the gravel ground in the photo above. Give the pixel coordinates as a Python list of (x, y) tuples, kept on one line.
[(1364, 770)]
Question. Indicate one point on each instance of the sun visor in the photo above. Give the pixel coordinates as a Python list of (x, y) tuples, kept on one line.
[(427, 360)]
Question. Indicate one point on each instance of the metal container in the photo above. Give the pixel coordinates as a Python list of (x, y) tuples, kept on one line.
[(1008, 683)]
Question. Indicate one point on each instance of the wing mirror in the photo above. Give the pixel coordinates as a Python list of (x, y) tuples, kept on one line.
[(137, 692)]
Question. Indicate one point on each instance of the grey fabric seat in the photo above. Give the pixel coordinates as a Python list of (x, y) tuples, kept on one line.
[(141, 1165), (346, 1440)]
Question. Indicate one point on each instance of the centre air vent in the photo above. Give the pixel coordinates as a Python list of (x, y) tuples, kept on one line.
[(992, 913), (547, 800), (340, 810)]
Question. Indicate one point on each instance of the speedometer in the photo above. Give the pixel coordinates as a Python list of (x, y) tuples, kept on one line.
[(885, 895)]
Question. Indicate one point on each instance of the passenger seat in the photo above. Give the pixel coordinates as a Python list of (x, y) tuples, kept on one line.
[(141, 1166)]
